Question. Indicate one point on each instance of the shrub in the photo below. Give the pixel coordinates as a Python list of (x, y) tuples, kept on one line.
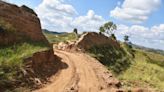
[(115, 58)]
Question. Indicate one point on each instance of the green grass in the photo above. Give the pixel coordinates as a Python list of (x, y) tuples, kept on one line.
[(11, 58), (144, 73), (116, 59), (56, 38), (135, 68)]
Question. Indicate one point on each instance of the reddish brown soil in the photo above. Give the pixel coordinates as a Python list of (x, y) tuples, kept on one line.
[(83, 74)]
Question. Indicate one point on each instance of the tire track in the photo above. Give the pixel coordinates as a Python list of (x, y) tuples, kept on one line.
[(83, 74)]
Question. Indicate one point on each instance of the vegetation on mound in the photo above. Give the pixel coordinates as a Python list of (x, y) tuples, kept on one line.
[(117, 59), (11, 61), (6, 27), (134, 68)]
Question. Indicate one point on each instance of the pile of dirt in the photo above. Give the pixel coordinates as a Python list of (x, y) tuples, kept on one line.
[(23, 20), (40, 67), (90, 39)]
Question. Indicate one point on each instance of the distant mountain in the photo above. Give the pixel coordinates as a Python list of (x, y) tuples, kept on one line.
[(51, 32), (149, 49)]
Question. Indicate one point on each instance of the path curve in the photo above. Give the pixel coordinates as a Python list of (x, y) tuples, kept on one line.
[(83, 74)]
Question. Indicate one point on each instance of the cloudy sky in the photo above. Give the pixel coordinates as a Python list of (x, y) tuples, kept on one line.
[(142, 20)]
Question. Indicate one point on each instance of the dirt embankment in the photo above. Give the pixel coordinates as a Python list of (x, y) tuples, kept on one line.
[(39, 68), (90, 39), (23, 20)]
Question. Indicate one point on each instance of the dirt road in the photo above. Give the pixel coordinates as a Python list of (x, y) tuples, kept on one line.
[(82, 74)]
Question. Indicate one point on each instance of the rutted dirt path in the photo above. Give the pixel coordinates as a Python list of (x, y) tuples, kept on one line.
[(83, 74)]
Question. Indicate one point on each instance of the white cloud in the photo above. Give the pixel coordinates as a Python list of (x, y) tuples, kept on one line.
[(90, 22), (156, 32), (55, 15), (151, 37), (135, 11)]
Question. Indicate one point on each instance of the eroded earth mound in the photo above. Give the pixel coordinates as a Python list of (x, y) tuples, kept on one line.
[(90, 39), (19, 23), (41, 66)]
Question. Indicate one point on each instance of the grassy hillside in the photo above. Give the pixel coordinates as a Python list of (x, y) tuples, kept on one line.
[(158, 51), (143, 69), (56, 38), (116, 59), (11, 59), (144, 72)]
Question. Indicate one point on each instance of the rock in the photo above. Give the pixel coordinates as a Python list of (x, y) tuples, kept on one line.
[(114, 82), (62, 46), (90, 39), (25, 22), (37, 81), (72, 88)]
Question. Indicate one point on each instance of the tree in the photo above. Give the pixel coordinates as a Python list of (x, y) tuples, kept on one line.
[(75, 30), (113, 36), (126, 38), (108, 28), (127, 42)]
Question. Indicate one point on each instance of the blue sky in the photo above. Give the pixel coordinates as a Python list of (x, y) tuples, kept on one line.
[(100, 8), (103, 8), (142, 20)]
